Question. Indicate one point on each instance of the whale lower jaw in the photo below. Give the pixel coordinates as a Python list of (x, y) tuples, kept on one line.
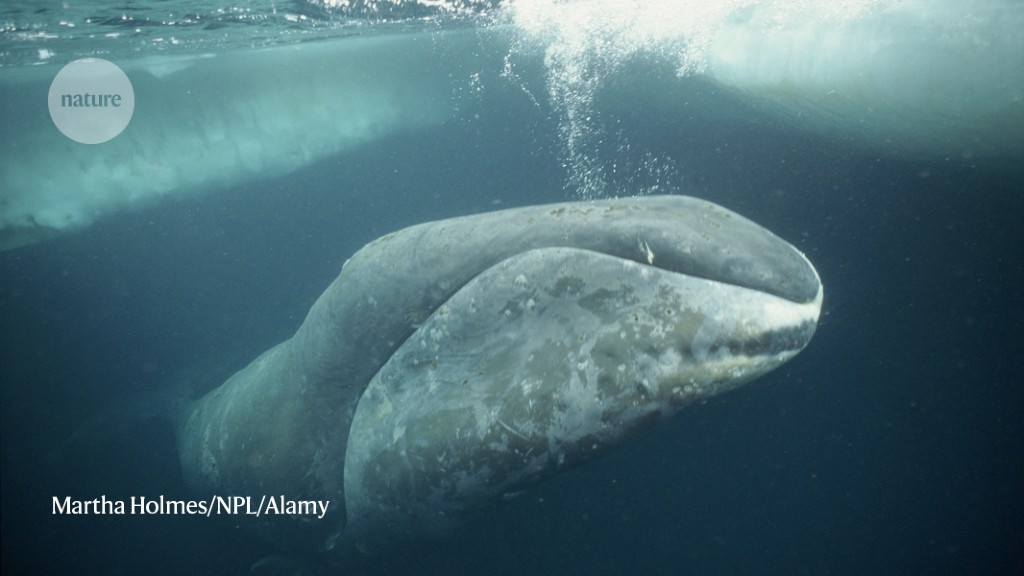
[(548, 359)]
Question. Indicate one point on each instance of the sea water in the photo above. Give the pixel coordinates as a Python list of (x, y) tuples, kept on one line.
[(271, 140)]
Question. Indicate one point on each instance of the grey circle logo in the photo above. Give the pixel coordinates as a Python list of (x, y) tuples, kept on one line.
[(91, 100)]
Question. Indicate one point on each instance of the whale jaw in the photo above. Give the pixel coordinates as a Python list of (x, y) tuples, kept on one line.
[(546, 360)]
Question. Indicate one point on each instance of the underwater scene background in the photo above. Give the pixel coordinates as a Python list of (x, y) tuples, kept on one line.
[(272, 140)]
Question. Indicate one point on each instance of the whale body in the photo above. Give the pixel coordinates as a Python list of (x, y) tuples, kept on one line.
[(457, 361)]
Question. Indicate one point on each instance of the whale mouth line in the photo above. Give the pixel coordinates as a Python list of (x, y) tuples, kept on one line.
[(676, 264)]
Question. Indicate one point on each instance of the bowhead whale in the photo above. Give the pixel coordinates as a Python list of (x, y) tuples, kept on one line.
[(457, 361)]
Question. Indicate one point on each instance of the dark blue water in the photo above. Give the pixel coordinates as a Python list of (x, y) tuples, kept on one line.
[(889, 447)]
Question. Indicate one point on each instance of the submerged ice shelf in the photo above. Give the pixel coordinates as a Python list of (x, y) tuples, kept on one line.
[(212, 122), (933, 80)]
